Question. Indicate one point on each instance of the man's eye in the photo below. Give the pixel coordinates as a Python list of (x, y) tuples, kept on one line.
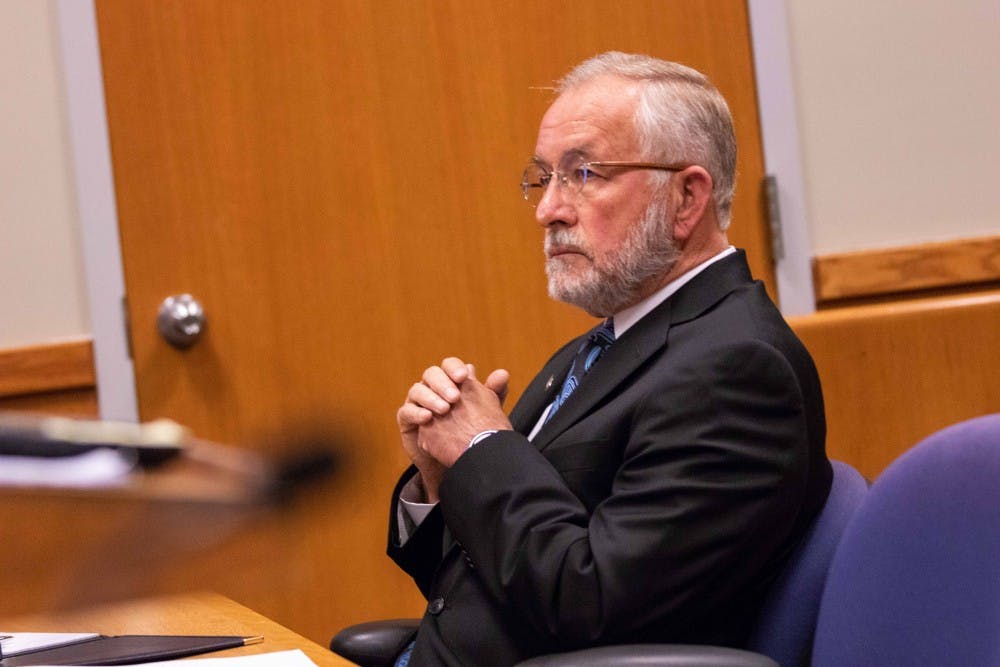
[(543, 180)]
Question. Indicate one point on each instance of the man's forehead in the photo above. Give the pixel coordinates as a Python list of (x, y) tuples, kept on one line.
[(575, 154), (589, 120)]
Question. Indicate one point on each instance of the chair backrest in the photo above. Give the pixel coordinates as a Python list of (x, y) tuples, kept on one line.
[(784, 629), (916, 578)]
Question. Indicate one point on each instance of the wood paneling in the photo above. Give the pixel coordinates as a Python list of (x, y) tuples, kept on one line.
[(926, 266), (80, 403), (55, 378), (894, 373), (45, 368)]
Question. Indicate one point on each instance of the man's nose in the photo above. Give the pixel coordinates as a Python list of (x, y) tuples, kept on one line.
[(554, 206)]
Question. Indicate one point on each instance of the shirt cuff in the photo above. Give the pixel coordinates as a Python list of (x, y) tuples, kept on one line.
[(412, 510), (479, 437)]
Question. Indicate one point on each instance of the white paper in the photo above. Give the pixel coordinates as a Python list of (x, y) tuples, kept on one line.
[(98, 467), (17, 643)]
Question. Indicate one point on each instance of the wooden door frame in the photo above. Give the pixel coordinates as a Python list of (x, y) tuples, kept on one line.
[(99, 221)]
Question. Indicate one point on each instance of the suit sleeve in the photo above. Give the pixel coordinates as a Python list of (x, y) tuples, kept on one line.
[(710, 483), (421, 553)]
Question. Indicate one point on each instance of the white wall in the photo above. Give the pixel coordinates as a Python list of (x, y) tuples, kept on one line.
[(42, 286), (898, 107)]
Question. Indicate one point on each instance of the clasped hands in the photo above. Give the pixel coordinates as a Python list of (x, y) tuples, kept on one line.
[(444, 411)]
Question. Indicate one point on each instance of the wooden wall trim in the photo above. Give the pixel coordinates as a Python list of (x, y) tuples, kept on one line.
[(46, 368), (870, 273), (896, 310), (893, 373)]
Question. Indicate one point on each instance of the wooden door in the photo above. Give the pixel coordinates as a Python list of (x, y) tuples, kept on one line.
[(336, 181)]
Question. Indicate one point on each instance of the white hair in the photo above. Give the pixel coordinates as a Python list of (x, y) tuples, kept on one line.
[(680, 117)]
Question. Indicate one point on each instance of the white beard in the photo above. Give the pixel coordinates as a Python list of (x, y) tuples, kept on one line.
[(609, 284)]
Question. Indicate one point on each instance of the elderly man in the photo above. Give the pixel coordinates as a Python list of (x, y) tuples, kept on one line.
[(654, 476)]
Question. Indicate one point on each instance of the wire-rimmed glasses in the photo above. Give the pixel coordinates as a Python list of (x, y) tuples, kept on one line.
[(572, 178)]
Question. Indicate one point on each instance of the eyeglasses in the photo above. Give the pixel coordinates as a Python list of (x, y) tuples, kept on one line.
[(536, 178)]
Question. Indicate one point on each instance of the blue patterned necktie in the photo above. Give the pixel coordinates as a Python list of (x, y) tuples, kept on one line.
[(404, 658), (590, 351)]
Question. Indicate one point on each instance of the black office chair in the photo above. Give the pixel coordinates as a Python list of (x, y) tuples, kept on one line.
[(783, 632)]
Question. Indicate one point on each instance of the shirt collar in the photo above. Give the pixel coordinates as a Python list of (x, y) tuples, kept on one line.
[(626, 318)]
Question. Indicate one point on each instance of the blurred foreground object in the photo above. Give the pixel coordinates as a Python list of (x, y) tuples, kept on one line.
[(178, 513), (71, 453)]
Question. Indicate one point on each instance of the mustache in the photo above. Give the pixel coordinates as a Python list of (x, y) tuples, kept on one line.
[(563, 239)]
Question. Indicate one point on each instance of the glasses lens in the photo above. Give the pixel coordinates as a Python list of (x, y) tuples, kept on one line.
[(573, 172), (533, 183), (576, 176)]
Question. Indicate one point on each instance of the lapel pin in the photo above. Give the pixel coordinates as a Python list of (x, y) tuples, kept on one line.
[(548, 383)]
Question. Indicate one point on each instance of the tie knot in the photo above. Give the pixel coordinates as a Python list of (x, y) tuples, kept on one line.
[(604, 334)]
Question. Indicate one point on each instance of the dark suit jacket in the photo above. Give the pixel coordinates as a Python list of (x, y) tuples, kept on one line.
[(655, 506)]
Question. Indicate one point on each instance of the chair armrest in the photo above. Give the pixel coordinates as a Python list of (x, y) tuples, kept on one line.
[(375, 644), (653, 655)]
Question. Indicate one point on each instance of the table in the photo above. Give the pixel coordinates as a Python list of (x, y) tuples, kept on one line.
[(185, 614)]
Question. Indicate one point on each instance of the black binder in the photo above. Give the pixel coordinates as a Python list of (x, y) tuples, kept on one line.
[(127, 650)]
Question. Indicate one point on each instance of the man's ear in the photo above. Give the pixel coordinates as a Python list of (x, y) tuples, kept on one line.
[(693, 200)]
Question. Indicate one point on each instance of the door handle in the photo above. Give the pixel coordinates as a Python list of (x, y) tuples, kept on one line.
[(181, 320)]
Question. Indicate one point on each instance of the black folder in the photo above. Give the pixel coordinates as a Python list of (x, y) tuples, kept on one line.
[(127, 650)]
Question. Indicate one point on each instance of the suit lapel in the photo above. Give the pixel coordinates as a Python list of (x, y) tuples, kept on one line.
[(627, 354), (543, 388), (615, 366)]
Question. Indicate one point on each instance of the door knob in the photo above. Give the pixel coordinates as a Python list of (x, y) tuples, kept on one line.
[(181, 320)]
